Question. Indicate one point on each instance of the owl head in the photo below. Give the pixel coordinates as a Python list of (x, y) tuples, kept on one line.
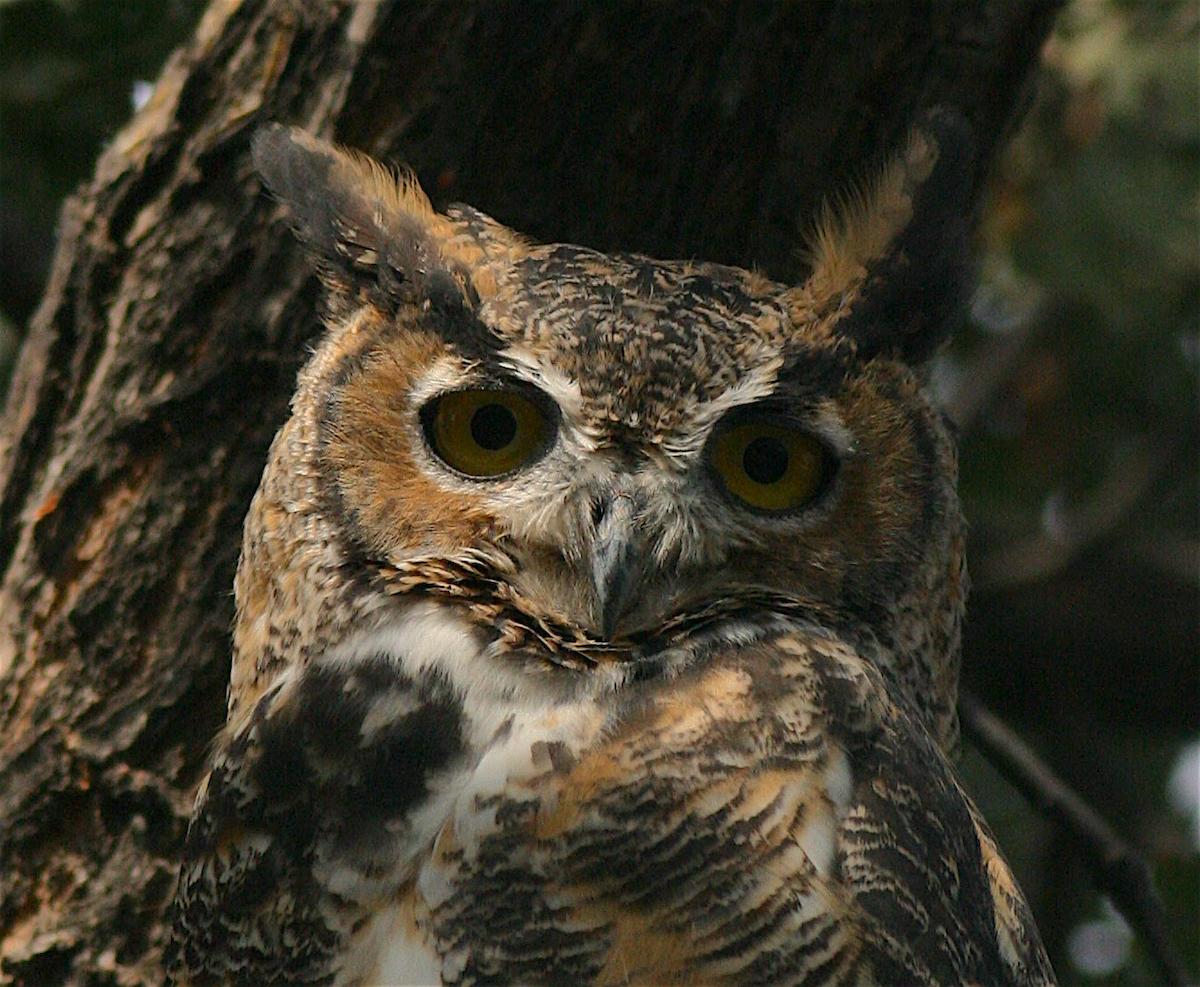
[(604, 461)]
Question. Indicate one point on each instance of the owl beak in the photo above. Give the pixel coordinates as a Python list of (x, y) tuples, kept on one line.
[(615, 568)]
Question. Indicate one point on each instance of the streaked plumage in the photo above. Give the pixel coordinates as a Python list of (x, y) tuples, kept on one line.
[(612, 715)]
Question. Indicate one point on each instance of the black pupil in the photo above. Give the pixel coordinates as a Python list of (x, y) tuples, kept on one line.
[(765, 460), (493, 427)]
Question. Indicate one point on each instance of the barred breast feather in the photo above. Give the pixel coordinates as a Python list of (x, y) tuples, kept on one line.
[(769, 816)]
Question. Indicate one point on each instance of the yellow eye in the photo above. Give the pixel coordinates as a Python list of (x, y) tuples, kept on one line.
[(770, 467), (485, 433)]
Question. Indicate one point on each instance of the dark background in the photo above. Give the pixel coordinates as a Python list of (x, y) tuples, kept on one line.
[(1075, 388)]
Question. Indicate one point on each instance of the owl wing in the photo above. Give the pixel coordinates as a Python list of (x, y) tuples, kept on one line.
[(304, 824), (776, 817)]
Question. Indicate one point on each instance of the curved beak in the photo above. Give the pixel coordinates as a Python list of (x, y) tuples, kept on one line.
[(616, 561)]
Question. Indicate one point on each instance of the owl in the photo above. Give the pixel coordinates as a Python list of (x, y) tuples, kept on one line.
[(598, 616)]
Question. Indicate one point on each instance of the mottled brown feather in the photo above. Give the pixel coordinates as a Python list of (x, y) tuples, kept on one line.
[(446, 760)]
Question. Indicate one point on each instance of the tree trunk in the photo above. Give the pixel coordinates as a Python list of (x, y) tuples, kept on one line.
[(161, 360)]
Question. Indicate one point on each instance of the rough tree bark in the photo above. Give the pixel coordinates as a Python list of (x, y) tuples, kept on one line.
[(161, 360)]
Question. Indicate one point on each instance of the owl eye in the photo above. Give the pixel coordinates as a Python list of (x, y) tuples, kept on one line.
[(486, 433), (769, 466)]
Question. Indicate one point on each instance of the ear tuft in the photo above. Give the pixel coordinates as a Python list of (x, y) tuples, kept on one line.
[(375, 235), (891, 269)]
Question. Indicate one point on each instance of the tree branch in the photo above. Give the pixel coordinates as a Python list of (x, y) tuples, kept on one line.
[(1120, 871)]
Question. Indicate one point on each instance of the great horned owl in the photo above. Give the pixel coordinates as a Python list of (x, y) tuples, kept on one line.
[(598, 616)]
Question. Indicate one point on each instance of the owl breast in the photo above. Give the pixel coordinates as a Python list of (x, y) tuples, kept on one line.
[(747, 823)]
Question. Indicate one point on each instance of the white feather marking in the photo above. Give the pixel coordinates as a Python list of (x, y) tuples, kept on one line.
[(405, 957), (755, 385), (828, 424), (839, 780), (430, 638), (386, 711), (344, 880), (818, 840), (525, 364), (445, 374), (426, 637)]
